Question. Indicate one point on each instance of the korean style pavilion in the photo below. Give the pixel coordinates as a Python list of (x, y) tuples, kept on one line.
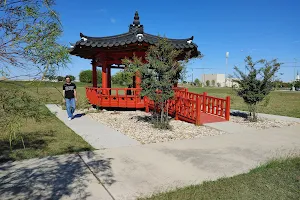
[(108, 52)]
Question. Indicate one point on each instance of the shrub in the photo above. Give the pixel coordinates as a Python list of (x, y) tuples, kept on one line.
[(207, 83), (213, 83), (86, 76)]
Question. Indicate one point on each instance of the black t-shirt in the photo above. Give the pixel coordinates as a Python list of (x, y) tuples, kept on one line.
[(69, 90)]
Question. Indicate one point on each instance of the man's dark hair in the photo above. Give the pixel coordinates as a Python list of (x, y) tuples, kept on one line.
[(68, 77)]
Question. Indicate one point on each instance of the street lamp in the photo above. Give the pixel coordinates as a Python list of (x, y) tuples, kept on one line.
[(227, 56)]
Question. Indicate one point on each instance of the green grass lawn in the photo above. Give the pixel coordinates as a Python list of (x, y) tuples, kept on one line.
[(48, 137), (275, 180), (284, 103)]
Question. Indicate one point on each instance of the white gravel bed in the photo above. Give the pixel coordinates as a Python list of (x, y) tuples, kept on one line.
[(133, 124), (262, 123)]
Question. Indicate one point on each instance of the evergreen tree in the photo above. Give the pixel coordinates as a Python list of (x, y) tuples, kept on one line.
[(159, 74)]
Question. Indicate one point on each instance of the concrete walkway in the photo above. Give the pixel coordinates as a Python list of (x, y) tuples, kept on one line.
[(128, 172), (95, 133)]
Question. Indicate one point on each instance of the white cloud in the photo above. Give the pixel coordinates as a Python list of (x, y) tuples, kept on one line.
[(113, 20)]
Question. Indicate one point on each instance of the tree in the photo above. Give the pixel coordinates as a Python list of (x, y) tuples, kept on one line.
[(123, 78), (86, 76), (197, 82), (72, 78), (218, 84), (257, 84), (207, 83), (297, 84), (160, 72), (51, 74), (60, 78), (213, 83), (29, 33)]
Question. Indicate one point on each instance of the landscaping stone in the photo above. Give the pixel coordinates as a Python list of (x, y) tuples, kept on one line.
[(263, 123), (136, 125)]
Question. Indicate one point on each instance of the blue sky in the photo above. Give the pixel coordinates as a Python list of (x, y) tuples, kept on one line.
[(262, 28)]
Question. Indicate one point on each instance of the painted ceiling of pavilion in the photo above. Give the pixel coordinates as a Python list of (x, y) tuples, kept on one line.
[(134, 40)]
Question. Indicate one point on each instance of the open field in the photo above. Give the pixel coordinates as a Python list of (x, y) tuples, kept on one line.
[(284, 103), (276, 180)]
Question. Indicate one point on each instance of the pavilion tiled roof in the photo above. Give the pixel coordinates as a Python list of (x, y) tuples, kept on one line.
[(135, 35)]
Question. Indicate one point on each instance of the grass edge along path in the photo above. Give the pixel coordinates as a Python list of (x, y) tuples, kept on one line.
[(277, 179), (48, 137)]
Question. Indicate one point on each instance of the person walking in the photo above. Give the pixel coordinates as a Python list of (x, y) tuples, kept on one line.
[(70, 97)]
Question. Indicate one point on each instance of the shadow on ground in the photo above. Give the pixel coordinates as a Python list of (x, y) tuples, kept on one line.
[(239, 114), (32, 141), (78, 115), (52, 178)]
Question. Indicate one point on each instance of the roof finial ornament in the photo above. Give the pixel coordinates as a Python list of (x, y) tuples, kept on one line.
[(136, 20)]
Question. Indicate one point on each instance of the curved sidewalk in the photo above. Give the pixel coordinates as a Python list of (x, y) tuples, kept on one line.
[(95, 133)]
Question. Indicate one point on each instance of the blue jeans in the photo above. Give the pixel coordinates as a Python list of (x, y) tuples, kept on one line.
[(70, 105)]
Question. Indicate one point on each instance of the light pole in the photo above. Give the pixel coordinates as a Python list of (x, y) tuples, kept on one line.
[(227, 56), (295, 70)]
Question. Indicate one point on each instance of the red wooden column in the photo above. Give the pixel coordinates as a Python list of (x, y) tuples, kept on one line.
[(104, 77), (175, 85), (108, 70), (94, 74)]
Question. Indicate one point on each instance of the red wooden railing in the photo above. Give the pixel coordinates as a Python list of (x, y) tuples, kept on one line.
[(115, 97), (186, 106)]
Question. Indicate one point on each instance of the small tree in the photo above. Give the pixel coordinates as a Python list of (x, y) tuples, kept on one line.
[(123, 78), (60, 78), (72, 78), (218, 84), (207, 83), (197, 82), (257, 84), (30, 32), (51, 74), (158, 75), (213, 83), (86, 76)]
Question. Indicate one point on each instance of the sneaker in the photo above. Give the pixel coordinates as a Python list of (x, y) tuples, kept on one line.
[(70, 118)]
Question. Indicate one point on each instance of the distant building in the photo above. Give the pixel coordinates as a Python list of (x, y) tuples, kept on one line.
[(217, 80), (3, 78)]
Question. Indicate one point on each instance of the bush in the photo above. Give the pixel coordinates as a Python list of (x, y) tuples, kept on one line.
[(207, 83), (213, 83), (86, 76), (73, 78), (122, 78), (197, 82), (60, 78), (297, 84)]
